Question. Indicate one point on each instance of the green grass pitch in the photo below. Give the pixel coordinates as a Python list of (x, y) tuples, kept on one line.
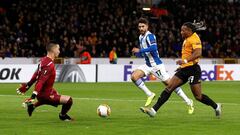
[(124, 100)]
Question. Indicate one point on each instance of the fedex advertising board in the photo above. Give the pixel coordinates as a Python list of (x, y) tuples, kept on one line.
[(210, 72), (226, 72)]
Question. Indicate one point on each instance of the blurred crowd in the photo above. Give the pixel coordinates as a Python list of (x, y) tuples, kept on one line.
[(98, 26)]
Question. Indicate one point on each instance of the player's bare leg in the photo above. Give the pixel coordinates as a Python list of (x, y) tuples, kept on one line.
[(181, 94), (66, 102), (197, 92)]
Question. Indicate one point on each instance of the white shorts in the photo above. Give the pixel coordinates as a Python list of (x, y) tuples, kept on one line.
[(158, 71)]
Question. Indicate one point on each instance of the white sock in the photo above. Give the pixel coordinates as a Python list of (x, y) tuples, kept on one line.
[(140, 84), (180, 93)]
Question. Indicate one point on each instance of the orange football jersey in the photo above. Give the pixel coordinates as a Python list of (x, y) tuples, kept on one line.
[(188, 46)]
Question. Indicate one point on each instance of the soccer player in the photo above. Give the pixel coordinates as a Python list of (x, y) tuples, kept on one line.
[(44, 91), (148, 48), (189, 70)]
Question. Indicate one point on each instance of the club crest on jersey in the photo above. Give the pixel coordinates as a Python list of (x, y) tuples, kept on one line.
[(45, 71)]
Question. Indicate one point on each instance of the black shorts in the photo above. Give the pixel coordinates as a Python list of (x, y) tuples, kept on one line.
[(191, 74), (52, 99)]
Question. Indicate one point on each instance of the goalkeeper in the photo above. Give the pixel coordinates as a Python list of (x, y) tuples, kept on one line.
[(44, 91)]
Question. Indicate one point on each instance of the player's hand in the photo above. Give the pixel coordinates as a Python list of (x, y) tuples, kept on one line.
[(27, 102), (22, 89), (180, 62), (135, 50)]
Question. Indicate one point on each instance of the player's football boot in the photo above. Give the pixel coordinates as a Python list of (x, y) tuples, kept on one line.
[(218, 110), (30, 108), (65, 117), (149, 111), (150, 99), (190, 107)]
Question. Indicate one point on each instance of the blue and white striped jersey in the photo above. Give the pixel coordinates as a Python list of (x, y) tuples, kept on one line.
[(148, 48)]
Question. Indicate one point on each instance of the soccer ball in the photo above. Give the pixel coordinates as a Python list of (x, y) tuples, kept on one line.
[(103, 110)]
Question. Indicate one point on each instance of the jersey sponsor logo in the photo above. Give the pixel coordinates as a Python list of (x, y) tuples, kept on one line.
[(9, 73), (218, 73)]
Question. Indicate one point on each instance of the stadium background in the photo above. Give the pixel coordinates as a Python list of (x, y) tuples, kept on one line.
[(26, 26)]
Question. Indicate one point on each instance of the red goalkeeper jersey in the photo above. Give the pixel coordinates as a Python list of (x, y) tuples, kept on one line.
[(45, 76)]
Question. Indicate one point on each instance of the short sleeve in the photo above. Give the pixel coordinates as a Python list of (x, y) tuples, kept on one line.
[(196, 43)]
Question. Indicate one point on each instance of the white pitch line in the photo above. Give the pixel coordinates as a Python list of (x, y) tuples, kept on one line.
[(136, 100), (111, 99)]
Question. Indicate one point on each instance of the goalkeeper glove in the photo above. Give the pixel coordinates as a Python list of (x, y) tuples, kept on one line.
[(27, 102), (22, 89), (30, 100)]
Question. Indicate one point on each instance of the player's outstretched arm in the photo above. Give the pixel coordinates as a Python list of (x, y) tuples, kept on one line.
[(142, 50), (196, 54), (149, 49), (25, 86)]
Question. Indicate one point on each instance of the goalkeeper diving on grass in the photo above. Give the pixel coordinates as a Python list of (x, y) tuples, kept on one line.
[(154, 65), (44, 91)]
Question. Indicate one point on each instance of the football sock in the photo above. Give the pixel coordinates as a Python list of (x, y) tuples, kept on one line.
[(206, 100), (180, 93), (66, 107), (162, 99), (140, 84)]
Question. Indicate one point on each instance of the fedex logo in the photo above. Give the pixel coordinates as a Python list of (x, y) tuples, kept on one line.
[(128, 72), (218, 73)]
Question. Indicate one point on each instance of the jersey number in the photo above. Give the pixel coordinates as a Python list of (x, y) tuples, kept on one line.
[(158, 73), (190, 79)]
